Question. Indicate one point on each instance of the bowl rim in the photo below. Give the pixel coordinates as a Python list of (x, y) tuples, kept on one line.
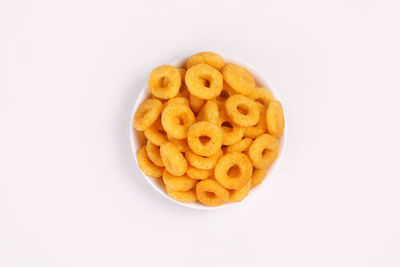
[(261, 80)]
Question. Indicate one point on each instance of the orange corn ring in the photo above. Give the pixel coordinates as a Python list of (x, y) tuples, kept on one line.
[(240, 146), (147, 114), (275, 119), (210, 193), (209, 58), (262, 96), (180, 143), (176, 120), (165, 81), (198, 174), (177, 100), (238, 195), (153, 152), (178, 183), (253, 132), (203, 163), (264, 151), (233, 170), (258, 176), (209, 113), (242, 110), (186, 196), (261, 126), (232, 133), (205, 138), (173, 159), (204, 81), (196, 103), (147, 167), (155, 133), (239, 79)]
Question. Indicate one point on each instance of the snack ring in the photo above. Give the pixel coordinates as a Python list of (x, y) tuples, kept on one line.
[(264, 151), (209, 58), (147, 114), (204, 81), (262, 96), (239, 79), (240, 146), (176, 120), (242, 110), (165, 81), (203, 163), (198, 174), (155, 133), (146, 165), (153, 152), (209, 113), (238, 195), (186, 196), (275, 118), (177, 100), (178, 183), (233, 170), (261, 126), (205, 138), (173, 159), (210, 193), (258, 176), (232, 132)]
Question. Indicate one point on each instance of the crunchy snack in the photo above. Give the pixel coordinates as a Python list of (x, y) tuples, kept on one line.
[(148, 167), (165, 81), (275, 118), (211, 132), (240, 146), (155, 133), (147, 114), (205, 138), (239, 79), (238, 195), (233, 170), (173, 159), (210, 193), (178, 183), (209, 58), (198, 174), (262, 96), (176, 120), (264, 151), (209, 112), (185, 197), (204, 81), (200, 162), (242, 110), (232, 132), (153, 152), (258, 176)]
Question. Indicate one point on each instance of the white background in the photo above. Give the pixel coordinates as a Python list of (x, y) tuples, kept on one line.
[(70, 194)]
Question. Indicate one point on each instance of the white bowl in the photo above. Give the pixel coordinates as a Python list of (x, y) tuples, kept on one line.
[(137, 139)]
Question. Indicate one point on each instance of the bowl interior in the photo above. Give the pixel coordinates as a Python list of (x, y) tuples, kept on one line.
[(138, 139)]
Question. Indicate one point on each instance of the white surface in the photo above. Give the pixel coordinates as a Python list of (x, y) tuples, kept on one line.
[(69, 74), (137, 139)]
